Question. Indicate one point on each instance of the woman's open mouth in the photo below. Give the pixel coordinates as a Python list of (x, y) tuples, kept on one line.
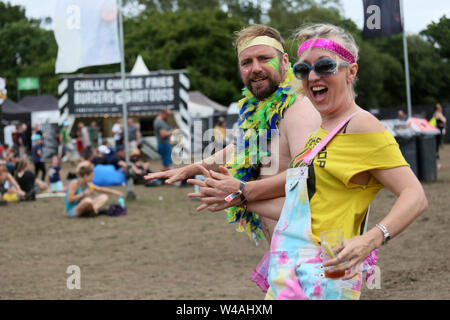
[(319, 93)]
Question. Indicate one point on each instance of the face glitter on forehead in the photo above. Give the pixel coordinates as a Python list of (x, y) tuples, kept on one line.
[(329, 45)]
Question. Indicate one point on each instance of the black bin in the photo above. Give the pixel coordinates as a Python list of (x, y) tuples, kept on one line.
[(408, 147), (406, 138), (426, 156)]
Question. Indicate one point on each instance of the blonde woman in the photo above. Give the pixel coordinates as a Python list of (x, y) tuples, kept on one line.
[(9, 188)]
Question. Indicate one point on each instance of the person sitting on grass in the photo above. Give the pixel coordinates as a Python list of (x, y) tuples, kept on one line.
[(11, 156), (139, 169), (10, 190), (78, 201), (27, 180), (54, 175)]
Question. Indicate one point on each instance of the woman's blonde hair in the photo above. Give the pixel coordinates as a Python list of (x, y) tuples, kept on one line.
[(21, 165), (325, 30)]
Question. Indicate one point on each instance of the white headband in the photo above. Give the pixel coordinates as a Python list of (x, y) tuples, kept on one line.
[(261, 40)]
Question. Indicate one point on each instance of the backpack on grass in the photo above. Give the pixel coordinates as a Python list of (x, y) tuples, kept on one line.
[(116, 210)]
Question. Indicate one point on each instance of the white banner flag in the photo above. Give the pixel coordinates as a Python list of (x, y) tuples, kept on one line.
[(86, 33), (2, 90)]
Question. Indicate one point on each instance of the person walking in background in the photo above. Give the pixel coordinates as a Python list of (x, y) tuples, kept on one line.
[(93, 131), (38, 157), (36, 130), (85, 141), (64, 139), (134, 134), (15, 137), (117, 132), (163, 132), (440, 122), (220, 135), (79, 143), (23, 140)]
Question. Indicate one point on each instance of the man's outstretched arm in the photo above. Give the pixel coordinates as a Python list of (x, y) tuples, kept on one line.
[(211, 163)]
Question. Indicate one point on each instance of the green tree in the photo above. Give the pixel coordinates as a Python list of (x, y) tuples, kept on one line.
[(429, 73), (288, 21), (199, 41), (438, 34), (247, 10), (10, 14), (27, 50), (380, 79)]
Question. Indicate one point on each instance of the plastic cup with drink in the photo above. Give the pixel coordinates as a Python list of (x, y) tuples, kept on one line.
[(329, 241)]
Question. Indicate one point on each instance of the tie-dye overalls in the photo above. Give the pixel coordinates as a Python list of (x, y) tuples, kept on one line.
[(296, 270)]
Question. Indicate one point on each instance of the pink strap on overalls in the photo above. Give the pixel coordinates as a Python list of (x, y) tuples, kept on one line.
[(307, 160)]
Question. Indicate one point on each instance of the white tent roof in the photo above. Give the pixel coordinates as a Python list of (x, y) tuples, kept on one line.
[(139, 67), (201, 106)]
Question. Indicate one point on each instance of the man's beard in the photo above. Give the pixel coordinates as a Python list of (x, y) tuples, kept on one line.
[(267, 91)]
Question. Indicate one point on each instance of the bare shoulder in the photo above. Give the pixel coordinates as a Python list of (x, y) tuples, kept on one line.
[(364, 122), (301, 113), (299, 121), (73, 184)]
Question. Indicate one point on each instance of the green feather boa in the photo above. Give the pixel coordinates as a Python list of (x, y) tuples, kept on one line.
[(256, 118)]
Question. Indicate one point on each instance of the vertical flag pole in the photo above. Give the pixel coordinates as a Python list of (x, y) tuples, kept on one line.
[(130, 193), (405, 53)]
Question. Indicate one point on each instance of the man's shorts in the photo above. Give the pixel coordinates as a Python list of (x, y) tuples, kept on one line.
[(165, 150)]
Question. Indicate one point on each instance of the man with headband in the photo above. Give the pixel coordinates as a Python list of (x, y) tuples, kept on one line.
[(269, 111)]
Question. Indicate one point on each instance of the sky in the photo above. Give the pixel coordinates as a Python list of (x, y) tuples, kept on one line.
[(418, 13)]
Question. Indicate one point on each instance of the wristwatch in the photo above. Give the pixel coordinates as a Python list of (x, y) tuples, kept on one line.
[(386, 234)]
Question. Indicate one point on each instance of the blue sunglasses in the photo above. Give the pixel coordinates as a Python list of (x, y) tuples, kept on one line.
[(324, 67)]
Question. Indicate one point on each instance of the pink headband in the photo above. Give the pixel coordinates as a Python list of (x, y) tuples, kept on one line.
[(329, 45)]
